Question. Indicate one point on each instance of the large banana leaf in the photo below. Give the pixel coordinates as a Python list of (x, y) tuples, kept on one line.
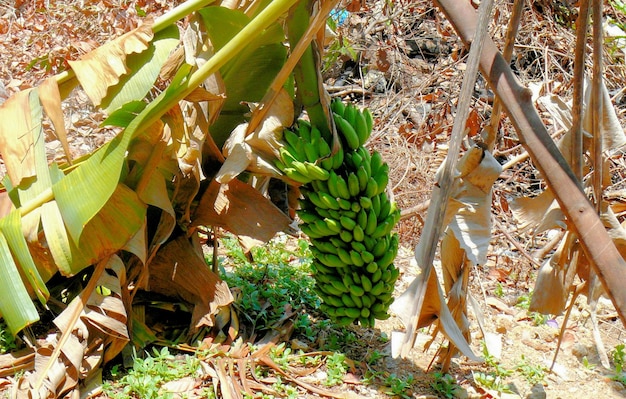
[(247, 77)]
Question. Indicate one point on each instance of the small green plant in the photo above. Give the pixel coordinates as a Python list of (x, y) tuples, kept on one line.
[(534, 374), (492, 382), (523, 302), (279, 278), (491, 361), (499, 291), (7, 340), (619, 359), (147, 375), (399, 386), (374, 357), (587, 365), (280, 355), (336, 368), (445, 385)]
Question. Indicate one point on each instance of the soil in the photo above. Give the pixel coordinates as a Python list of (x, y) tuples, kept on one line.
[(408, 72)]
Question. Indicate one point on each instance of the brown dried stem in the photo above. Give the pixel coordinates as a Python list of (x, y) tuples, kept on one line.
[(582, 24)]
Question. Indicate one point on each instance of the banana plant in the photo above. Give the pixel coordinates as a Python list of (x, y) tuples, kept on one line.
[(133, 208)]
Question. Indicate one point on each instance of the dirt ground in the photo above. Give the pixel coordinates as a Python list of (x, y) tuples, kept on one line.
[(408, 72)]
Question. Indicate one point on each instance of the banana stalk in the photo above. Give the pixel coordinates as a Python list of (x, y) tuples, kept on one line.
[(307, 72)]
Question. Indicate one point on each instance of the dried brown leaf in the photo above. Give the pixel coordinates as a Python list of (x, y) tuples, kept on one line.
[(242, 210), (179, 271)]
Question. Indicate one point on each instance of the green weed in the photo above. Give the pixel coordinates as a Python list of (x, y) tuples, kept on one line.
[(278, 279), (399, 386), (445, 385), (534, 374), (619, 359), (7, 340), (147, 375), (336, 368)]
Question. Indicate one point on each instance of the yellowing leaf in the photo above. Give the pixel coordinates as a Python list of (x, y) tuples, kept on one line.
[(50, 98), (102, 68), (16, 139)]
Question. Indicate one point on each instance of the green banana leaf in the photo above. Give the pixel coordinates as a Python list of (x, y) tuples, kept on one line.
[(16, 307), (248, 76)]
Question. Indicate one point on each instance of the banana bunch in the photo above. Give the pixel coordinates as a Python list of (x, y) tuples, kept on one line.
[(347, 214), (304, 149)]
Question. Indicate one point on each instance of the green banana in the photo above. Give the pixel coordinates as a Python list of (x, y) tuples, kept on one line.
[(342, 187), (333, 301), (381, 247), (333, 225), (324, 150), (363, 177), (347, 131), (353, 312), (291, 138), (367, 257), (371, 224), (304, 130), (376, 205), (358, 233), (330, 260), (369, 120), (353, 184), (377, 288), (376, 162), (344, 255), (367, 300), (358, 302), (360, 126), (345, 235), (350, 114), (385, 207), (347, 301), (365, 202), (371, 268), (323, 228), (347, 223), (337, 106), (377, 275), (382, 179), (372, 187), (366, 283), (338, 158), (306, 229), (355, 160), (339, 286), (332, 184), (347, 280), (316, 172), (356, 258), (358, 246), (365, 312), (344, 205), (356, 290), (329, 201)]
